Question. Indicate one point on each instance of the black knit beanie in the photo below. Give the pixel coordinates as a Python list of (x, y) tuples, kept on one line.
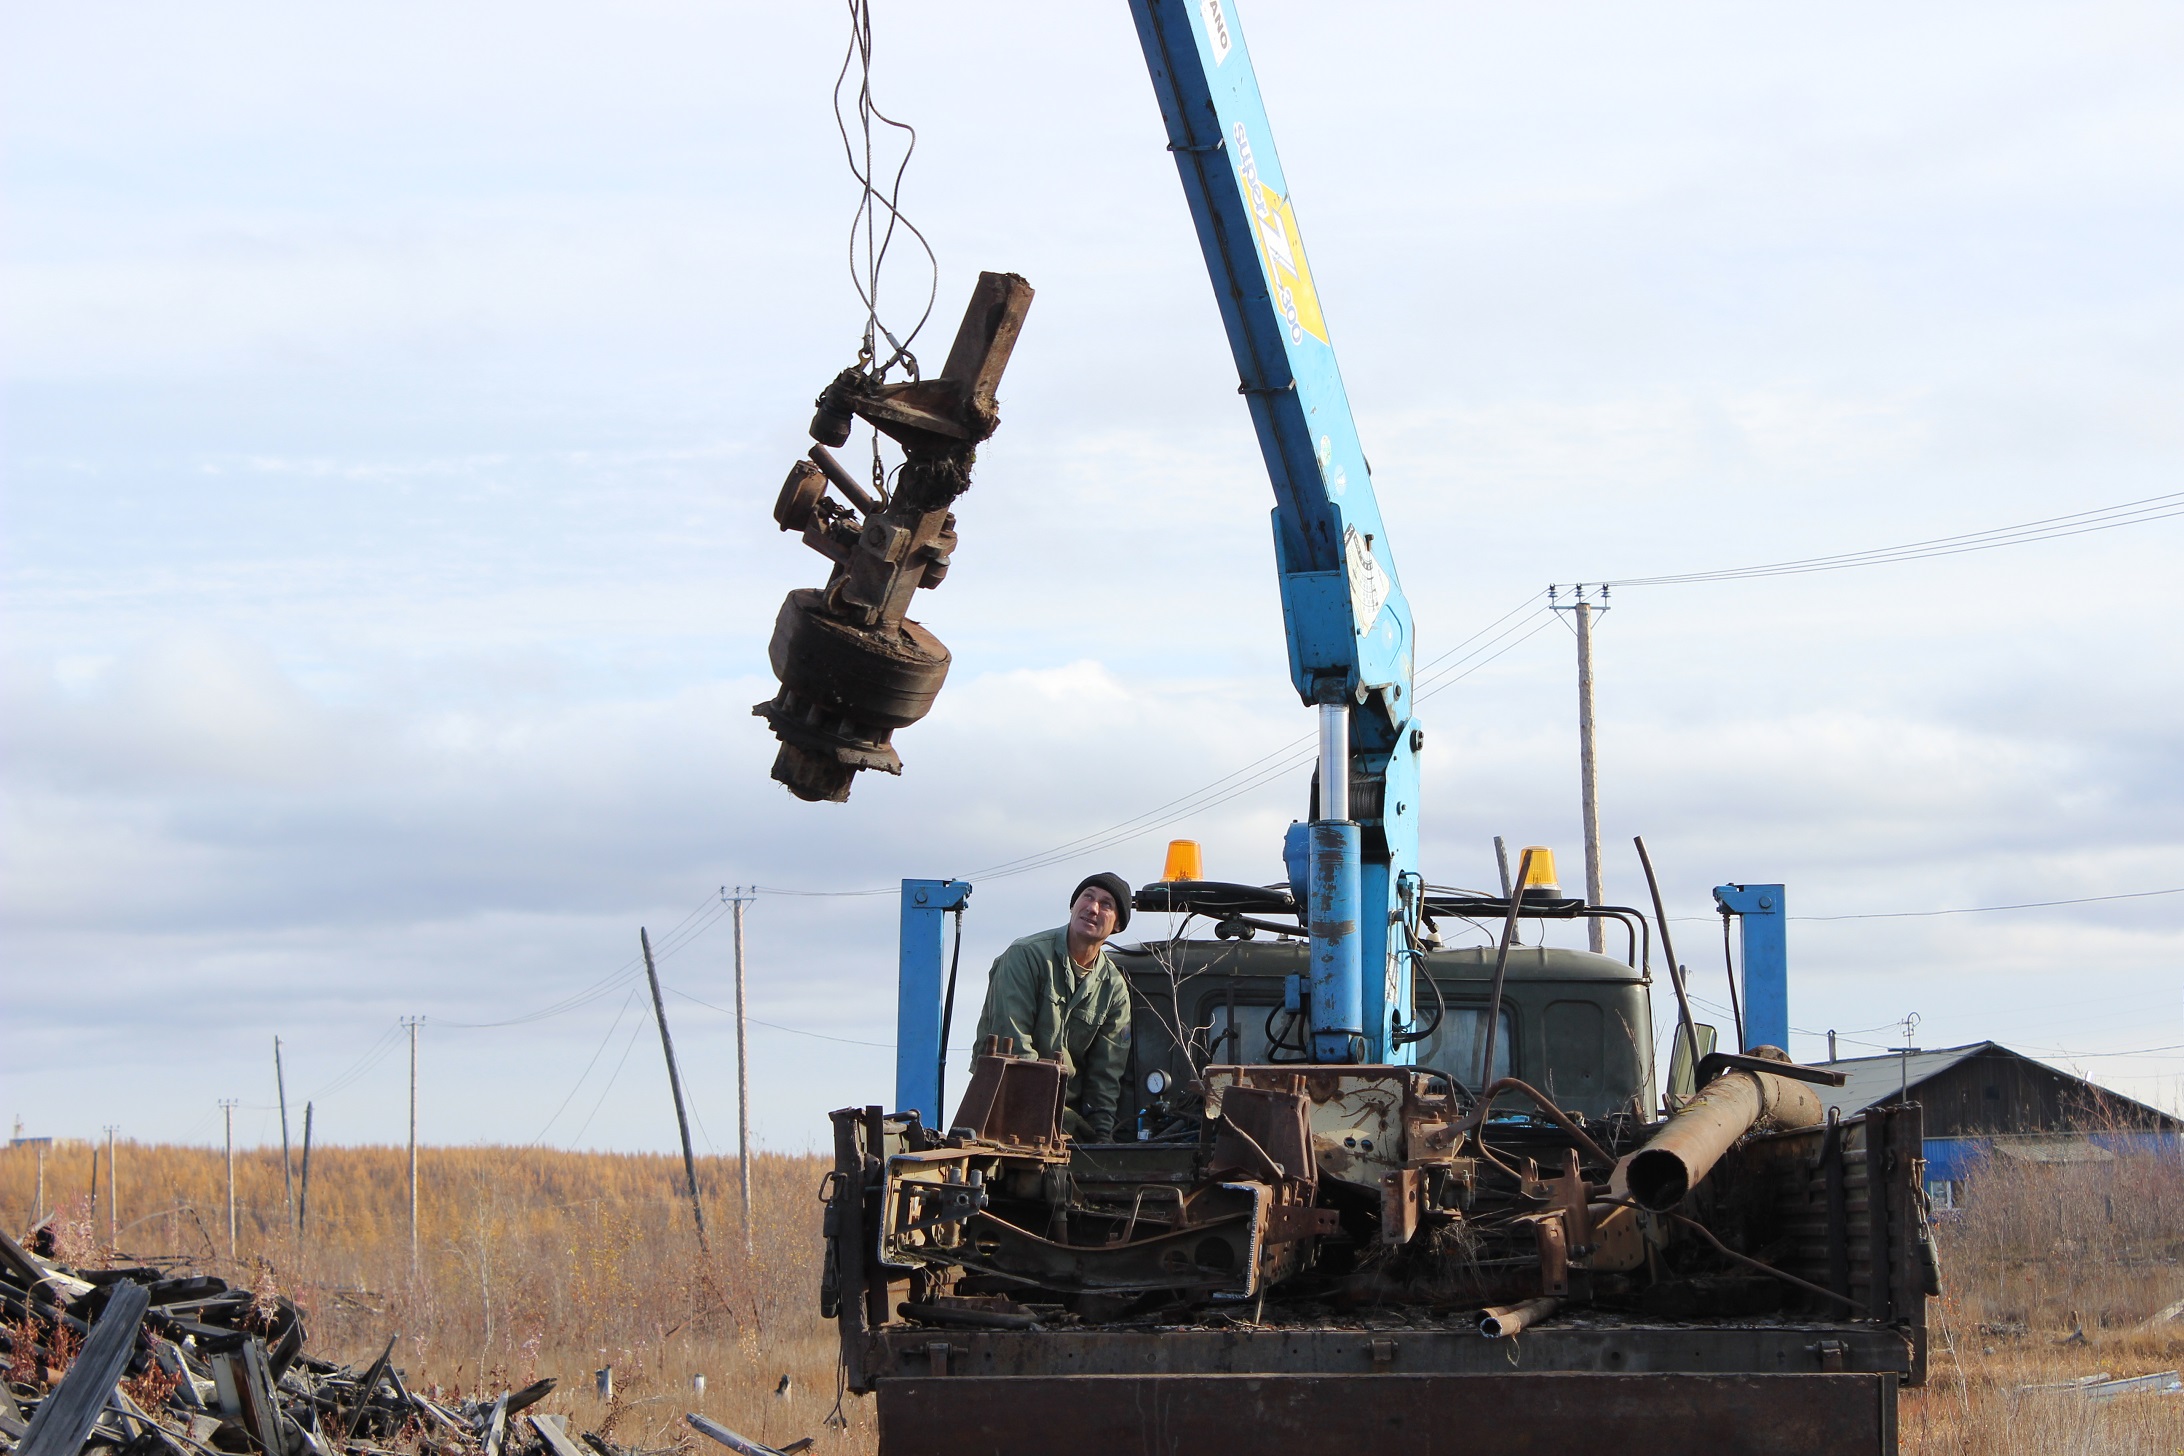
[(1116, 886)]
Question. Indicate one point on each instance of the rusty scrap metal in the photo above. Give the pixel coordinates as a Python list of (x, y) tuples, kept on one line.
[(1503, 1320), (1674, 1160), (174, 1363), (1634, 1415), (853, 667), (1013, 1101)]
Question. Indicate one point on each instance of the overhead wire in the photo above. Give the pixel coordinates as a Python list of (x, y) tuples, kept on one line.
[(703, 917), (1440, 672), (776, 1026), (372, 1057), (1991, 909), (581, 1077), (2077, 523), (627, 1047)]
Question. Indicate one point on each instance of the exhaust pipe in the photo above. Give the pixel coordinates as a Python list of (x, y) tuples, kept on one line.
[(1684, 1151), (1503, 1320)]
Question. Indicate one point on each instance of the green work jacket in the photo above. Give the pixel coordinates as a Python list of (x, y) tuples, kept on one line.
[(1049, 1007)]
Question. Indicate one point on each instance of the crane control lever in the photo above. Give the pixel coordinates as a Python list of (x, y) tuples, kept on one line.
[(853, 667)]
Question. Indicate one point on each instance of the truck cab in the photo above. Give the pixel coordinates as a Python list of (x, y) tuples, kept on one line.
[(1578, 1026)]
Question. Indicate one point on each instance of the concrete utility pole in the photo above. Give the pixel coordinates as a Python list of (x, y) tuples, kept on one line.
[(113, 1189), (227, 1111), (1588, 770), (743, 1083), (674, 1082), (288, 1180), (413, 1022)]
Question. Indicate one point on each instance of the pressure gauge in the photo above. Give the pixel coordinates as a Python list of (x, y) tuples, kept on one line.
[(1156, 1082)]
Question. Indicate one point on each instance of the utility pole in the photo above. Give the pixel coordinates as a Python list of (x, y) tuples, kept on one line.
[(303, 1195), (113, 1189), (1910, 1025), (674, 1081), (1588, 773), (227, 1111), (743, 1082), (288, 1181), (413, 1022)]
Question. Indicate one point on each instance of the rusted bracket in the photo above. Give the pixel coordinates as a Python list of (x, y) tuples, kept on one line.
[(1713, 1064)]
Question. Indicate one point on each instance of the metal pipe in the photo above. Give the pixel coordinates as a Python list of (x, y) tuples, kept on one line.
[(1501, 967), (1540, 1099), (1751, 1263), (1729, 964), (847, 484), (1334, 760), (1689, 1144), (1668, 949), (1334, 913), (1503, 1320)]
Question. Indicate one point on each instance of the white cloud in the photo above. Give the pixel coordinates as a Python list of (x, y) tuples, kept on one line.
[(396, 401)]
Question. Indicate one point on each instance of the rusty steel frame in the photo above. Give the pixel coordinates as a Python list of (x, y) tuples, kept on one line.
[(1717, 1347), (1512, 1414)]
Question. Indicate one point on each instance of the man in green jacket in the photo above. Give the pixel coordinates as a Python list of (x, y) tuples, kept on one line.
[(1057, 994)]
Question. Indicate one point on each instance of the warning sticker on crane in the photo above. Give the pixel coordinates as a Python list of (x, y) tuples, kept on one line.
[(1368, 583), (1281, 248)]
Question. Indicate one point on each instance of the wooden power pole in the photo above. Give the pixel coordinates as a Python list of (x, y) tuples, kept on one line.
[(743, 1084), (413, 1022), (1588, 773), (288, 1180), (227, 1111), (1588, 766), (303, 1194), (113, 1191), (674, 1082)]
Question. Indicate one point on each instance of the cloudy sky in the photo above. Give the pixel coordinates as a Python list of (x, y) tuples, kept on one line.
[(395, 397)]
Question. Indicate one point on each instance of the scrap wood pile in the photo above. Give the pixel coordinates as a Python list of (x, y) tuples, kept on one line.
[(152, 1362)]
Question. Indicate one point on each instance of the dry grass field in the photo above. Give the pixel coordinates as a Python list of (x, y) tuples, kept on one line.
[(539, 1262), (530, 1262), (2050, 1273)]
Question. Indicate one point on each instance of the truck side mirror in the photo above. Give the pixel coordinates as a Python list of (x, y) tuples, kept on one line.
[(1682, 1077)]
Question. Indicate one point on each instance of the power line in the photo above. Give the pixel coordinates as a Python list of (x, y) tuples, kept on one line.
[(1990, 909), (582, 1076), (628, 1046), (1256, 774), (372, 1057), (2090, 1056), (2077, 523), (711, 908), (1959, 910), (886, 1046)]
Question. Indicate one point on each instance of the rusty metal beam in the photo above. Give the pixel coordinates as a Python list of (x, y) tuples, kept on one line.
[(1422, 1415)]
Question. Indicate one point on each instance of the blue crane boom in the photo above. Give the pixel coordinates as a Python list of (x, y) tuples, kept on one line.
[(1348, 622)]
